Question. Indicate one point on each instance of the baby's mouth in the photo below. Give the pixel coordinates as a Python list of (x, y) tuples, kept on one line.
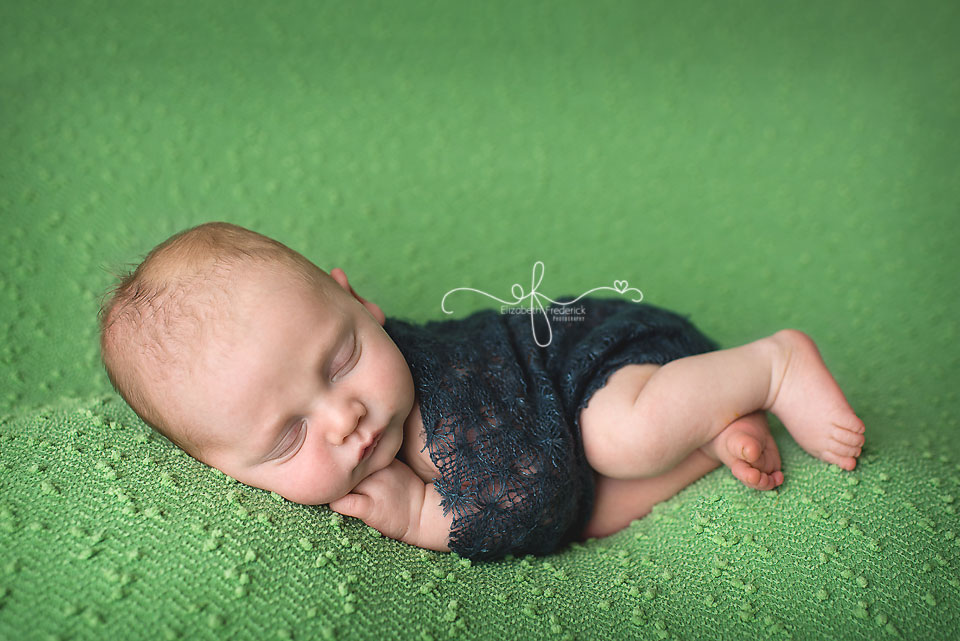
[(367, 451)]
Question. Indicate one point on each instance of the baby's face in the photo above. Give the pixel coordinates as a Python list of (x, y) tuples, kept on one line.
[(298, 389)]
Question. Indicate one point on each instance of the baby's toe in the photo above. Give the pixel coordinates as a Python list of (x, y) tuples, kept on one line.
[(766, 482), (850, 423), (744, 447), (745, 473), (853, 439), (752, 477), (769, 461), (775, 456), (845, 462), (844, 450)]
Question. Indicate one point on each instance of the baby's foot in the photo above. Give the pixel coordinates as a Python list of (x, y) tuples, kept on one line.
[(748, 449), (811, 406)]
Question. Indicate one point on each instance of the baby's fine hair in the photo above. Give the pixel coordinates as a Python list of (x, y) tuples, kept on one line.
[(153, 314)]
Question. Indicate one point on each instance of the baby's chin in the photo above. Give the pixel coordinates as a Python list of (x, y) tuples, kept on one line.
[(303, 498)]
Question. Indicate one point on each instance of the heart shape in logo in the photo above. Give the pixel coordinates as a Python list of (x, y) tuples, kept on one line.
[(620, 285)]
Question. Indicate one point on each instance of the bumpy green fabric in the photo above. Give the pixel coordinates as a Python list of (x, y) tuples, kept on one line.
[(758, 165)]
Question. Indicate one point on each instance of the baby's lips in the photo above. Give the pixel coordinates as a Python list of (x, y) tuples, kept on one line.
[(364, 453)]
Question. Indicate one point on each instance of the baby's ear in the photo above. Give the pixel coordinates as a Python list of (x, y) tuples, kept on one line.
[(341, 277), (374, 310)]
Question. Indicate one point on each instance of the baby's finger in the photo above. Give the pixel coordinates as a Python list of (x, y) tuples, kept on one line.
[(357, 505)]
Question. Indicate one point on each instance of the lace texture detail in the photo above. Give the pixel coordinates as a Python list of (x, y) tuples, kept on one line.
[(501, 413)]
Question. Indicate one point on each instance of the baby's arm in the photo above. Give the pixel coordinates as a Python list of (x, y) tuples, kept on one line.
[(397, 503), (434, 526)]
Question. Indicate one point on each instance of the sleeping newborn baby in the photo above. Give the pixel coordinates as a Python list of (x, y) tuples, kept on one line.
[(462, 435)]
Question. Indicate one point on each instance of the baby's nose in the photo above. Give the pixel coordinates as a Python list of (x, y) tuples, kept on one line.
[(345, 422)]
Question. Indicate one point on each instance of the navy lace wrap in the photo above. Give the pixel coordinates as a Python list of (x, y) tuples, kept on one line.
[(501, 413)]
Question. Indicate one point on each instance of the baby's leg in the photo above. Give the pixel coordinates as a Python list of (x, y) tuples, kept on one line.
[(687, 402), (745, 446), (617, 502)]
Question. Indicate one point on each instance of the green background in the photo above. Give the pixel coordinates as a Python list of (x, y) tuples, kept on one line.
[(757, 165)]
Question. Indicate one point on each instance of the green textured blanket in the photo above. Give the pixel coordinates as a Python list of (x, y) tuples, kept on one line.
[(756, 165)]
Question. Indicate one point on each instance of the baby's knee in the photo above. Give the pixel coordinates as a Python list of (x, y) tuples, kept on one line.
[(626, 447), (610, 425)]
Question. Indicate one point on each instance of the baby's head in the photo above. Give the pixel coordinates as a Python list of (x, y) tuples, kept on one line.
[(256, 362)]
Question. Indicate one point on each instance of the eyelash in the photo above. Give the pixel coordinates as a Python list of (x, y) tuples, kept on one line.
[(352, 354), (296, 440), (296, 432)]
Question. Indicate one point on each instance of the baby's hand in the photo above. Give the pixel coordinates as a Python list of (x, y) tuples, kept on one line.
[(389, 500)]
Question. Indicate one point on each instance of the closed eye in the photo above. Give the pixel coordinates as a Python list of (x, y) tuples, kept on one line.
[(356, 352), (298, 435)]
